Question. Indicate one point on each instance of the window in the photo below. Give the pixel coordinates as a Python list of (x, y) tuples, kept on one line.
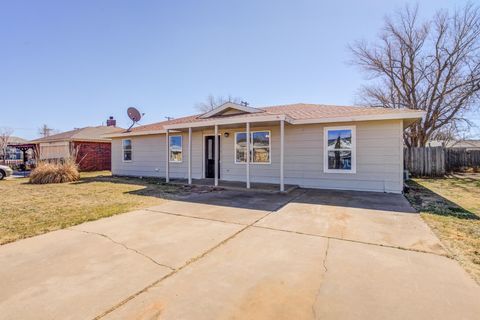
[(259, 147), (339, 150), (127, 150), (240, 147), (210, 149), (175, 148)]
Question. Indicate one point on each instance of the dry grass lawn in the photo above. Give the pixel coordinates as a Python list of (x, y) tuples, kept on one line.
[(451, 207), (27, 210)]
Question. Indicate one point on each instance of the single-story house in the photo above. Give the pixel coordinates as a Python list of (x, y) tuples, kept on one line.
[(89, 146), (309, 145)]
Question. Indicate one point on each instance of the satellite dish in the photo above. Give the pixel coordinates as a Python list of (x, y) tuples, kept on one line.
[(134, 115)]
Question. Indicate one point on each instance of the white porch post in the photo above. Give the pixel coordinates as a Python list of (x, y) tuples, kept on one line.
[(248, 155), (216, 155), (190, 155), (282, 142), (167, 158)]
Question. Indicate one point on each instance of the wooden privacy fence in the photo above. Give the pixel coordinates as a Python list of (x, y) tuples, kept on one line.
[(436, 161), (460, 158)]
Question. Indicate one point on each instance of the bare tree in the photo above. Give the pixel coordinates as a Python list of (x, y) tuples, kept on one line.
[(5, 134), (448, 133), (432, 65), (212, 102), (45, 131)]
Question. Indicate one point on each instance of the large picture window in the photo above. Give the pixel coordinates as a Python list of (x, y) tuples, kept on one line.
[(175, 148), (127, 150), (259, 147), (339, 149)]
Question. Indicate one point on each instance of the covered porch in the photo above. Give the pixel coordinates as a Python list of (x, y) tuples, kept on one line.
[(212, 160)]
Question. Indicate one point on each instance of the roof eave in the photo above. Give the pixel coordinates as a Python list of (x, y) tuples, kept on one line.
[(396, 116), (223, 121), (106, 139), (136, 133), (268, 118)]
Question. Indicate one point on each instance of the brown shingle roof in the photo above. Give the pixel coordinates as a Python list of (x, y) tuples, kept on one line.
[(82, 134), (159, 125), (299, 111)]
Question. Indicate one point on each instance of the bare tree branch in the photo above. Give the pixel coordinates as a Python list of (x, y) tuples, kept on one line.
[(212, 102), (432, 66), (5, 135)]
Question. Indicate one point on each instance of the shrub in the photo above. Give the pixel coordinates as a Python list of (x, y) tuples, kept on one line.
[(54, 173)]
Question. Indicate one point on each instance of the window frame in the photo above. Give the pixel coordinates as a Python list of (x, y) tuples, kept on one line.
[(123, 150), (170, 148), (353, 170), (252, 147)]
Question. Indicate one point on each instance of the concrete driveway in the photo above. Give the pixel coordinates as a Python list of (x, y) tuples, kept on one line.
[(311, 254)]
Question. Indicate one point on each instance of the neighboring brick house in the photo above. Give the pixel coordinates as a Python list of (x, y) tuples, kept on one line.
[(88, 145)]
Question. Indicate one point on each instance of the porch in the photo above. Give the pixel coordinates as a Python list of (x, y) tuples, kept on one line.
[(251, 153), (236, 185)]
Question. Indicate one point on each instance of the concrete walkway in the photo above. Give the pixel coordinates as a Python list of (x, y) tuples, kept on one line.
[(232, 255)]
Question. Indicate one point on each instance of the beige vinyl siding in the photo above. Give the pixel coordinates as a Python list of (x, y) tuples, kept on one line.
[(378, 150), (378, 157), (54, 150), (148, 157)]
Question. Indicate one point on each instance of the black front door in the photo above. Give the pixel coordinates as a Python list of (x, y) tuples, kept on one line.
[(210, 157)]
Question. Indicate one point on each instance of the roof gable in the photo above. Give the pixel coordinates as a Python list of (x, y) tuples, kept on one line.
[(230, 108)]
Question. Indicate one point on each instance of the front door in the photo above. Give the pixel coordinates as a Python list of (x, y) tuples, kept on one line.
[(210, 157)]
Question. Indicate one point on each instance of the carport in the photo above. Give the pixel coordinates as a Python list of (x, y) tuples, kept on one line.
[(25, 147)]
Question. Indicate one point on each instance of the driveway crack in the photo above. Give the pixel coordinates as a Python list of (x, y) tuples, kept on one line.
[(175, 271), (326, 255), (324, 262), (124, 246), (191, 261), (446, 255)]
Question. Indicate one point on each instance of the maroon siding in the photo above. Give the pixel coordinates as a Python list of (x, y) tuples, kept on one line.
[(94, 156)]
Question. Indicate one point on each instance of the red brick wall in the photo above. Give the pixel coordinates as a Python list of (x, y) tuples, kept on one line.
[(94, 156)]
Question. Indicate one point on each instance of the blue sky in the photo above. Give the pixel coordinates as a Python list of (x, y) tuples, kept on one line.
[(74, 63)]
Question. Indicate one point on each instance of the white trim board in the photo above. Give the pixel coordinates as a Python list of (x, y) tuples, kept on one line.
[(131, 151), (353, 170), (170, 147), (237, 120), (203, 151)]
